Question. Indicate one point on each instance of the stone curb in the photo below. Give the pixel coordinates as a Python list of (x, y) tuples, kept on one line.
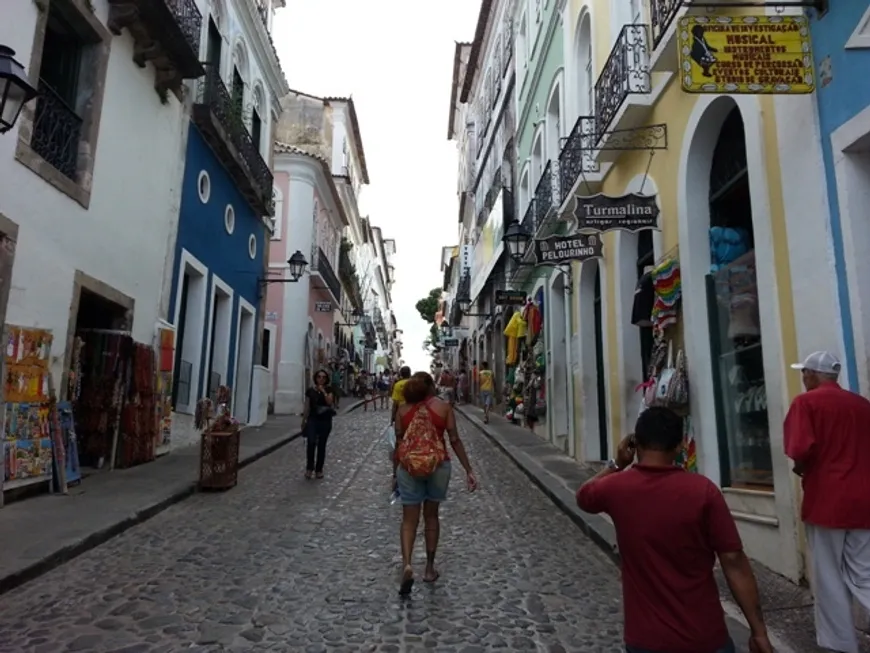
[(71, 551)]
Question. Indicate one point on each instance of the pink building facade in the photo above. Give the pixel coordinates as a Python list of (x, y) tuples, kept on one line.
[(301, 316)]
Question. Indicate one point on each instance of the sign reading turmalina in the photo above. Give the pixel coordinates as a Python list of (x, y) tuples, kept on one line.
[(564, 249), (630, 212), (745, 54)]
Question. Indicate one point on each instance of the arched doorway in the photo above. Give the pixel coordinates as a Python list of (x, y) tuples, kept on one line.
[(735, 327), (583, 69), (600, 384), (554, 120), (591, 359)]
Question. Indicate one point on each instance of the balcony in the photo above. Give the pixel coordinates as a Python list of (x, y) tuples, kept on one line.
[(57, 130), (577, 159), (323, 269), (219, 119), (622, 92), (548, 196), (165, 33)]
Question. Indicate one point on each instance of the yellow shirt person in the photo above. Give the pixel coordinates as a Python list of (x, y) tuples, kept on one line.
[(398, 391)]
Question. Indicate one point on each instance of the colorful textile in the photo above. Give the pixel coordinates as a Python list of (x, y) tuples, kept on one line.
[(534, 320), (515, 329), (668, 291)]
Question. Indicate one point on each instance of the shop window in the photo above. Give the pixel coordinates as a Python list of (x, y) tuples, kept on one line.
[(736, 347)]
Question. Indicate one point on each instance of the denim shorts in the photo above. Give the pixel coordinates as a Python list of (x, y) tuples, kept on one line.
[(486, 397), (414, 490), (728, 648)]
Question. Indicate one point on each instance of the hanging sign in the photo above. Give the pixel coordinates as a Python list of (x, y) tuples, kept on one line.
[(323, 307), (510, 297), (564, 249), (745, 54), (631, 212), (450, 342)]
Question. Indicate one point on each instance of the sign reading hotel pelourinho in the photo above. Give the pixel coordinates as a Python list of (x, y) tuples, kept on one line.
[(632, 212), (564, 249), (510, 297), (745, 54)]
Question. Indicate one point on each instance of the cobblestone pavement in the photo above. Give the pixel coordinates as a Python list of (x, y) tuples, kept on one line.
[(287, 565)]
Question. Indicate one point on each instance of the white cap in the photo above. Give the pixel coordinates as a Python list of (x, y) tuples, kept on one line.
[(820, 361)]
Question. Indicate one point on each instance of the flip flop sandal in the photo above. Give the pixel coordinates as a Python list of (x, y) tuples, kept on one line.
[(407, 583), (433, 579)]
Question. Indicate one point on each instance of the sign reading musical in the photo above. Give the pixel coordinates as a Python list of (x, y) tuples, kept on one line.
[(745, 54)]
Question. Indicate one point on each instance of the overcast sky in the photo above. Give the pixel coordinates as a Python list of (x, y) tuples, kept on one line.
[(395, 58)]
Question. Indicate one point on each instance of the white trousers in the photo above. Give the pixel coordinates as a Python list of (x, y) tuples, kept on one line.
[(840, 571)]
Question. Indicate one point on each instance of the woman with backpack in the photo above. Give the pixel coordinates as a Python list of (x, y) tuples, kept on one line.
[(421, 469)]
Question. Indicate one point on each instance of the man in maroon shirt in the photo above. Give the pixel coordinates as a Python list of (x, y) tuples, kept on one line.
[(827, 434), (670, 526)]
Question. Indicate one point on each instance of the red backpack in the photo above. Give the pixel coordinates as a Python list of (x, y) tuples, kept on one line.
[(421, 449)]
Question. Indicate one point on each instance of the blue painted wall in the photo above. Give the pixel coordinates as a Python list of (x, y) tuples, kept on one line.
[(840, 96), (201, 232)]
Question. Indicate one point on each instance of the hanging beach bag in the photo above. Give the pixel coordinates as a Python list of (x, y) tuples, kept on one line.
[(678, 388), (663, 383)]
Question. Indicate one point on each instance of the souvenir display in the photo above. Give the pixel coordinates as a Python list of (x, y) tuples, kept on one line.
[(138, 427), (28, 445), (67, 436), (668, 291)]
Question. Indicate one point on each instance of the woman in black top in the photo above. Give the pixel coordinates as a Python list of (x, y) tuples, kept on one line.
[(317, 422)]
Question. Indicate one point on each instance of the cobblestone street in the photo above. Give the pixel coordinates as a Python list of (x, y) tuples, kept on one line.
[(284, 564)]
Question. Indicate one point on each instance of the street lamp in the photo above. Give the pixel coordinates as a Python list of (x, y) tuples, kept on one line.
[(353, 320), (297, 265), (517, 240), (464, 303), (15, 89)]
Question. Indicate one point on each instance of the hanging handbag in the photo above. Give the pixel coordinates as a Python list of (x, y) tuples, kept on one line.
[(663, 382), (678, 387)]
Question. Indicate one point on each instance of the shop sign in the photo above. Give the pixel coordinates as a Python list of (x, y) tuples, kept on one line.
[(564, 249), (323, 307), (510, 297), (271, 316), (450, 342), (632, 212), (745, 54)]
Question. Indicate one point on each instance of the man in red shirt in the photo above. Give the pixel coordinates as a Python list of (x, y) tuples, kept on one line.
[(670, 526), (827, 434)]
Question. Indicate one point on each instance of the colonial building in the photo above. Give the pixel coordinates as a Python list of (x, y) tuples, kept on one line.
[(220, 252)]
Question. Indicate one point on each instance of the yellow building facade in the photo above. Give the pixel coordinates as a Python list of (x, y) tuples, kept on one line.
[(711, 160)]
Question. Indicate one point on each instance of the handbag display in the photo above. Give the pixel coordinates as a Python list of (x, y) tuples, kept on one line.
[(663, 382), (678, 386)]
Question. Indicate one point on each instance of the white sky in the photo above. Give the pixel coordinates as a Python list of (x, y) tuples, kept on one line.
[(397, 63)]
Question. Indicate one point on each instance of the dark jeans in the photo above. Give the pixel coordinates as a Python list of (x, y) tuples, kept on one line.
[(728, 648), (317, 433)]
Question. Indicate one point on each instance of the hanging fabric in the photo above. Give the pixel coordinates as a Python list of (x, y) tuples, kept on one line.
[(515, 327), (534, 319), (668, 291)]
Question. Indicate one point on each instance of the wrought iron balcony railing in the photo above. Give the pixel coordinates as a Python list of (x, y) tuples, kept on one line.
[(324, 269), (662, 14), (188, 19), (57, 131), (576, 157), (548, 194), (220, 118), (626, 71), (530, 219)]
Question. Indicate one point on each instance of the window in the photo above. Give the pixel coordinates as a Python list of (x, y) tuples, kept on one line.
[(238, 94), (203, 186), (230, 218), (252, 246), (214, 44), (59, 131), (256, 129), (524, 194), (538, 160)]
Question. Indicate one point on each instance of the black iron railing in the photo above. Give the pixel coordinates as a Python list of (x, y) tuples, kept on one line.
[(57, 131), (189, 20), (662, 14), (626, 71), (576, 157), (530, 218), (547, 193), (212, 93), (324, 269)]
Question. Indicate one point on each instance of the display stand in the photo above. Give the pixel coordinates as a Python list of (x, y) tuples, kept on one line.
[(219, 445)]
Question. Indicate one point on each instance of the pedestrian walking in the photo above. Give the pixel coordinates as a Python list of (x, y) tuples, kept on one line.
[(462, 386), (336, 384), (383, 388), (421, 469), (317, 423), (826, 435), (398, 394), (487, 388), (670, 527)]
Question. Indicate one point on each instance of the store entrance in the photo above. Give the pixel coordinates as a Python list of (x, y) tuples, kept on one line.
[(735, 328), (599, 367)]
